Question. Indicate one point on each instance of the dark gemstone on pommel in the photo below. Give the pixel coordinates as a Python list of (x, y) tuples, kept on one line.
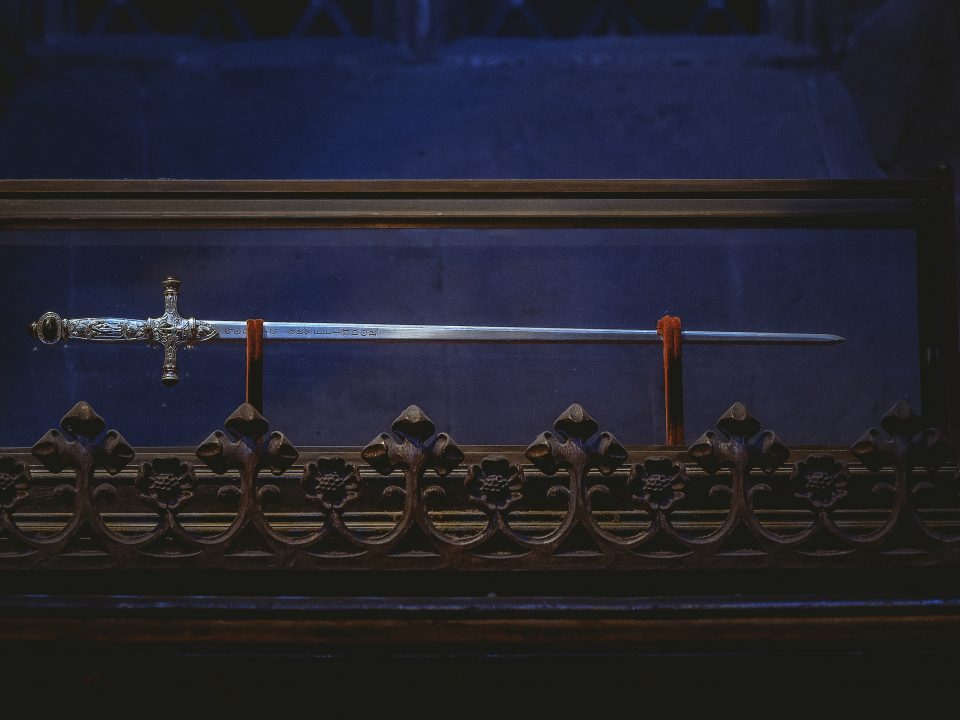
[(47, 329)]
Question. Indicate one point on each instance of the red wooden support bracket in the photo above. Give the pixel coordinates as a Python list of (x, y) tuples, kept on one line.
[(255, 364), (669, 329)]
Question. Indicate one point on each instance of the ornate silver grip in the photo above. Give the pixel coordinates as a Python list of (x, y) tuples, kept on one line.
[(51, 328), (168, 330)]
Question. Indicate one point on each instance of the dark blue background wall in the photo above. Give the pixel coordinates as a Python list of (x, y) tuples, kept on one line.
[(663, 106)]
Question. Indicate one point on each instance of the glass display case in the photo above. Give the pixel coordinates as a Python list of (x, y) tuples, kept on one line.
[(506, 461)]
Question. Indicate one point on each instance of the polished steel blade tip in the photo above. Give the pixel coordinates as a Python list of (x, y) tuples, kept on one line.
[(722, 337)]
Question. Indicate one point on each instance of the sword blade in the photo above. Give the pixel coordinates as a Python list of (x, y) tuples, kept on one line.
[(339, 332)]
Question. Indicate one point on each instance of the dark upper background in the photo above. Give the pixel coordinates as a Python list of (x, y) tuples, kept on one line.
[(423, 88)]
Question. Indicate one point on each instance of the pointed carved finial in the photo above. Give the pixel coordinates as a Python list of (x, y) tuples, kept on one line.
[(414, 440), (741, 442), (578, 442), (82, 439), (222, 452), (246, 421), (903, 439)]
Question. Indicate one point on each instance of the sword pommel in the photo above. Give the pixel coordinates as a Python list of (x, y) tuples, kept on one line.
[(48, 329)]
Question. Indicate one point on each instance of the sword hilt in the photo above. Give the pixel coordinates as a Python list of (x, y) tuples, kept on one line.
[(169, 330)]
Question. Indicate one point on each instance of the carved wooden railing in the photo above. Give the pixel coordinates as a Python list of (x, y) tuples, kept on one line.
[(576, 498)]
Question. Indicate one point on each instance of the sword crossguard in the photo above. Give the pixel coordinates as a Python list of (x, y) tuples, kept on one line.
[(169, 331)]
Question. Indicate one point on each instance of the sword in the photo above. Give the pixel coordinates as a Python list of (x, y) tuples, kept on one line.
[(171, 331)]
